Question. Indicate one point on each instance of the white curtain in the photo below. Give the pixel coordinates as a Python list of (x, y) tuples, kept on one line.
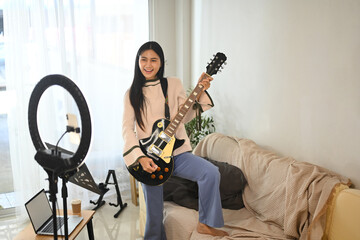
[(92, 42)]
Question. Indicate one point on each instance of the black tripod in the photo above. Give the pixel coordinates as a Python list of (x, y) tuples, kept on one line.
[(53, 189)]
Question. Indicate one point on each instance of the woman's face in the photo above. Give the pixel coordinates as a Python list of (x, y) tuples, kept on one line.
[(149, 64)]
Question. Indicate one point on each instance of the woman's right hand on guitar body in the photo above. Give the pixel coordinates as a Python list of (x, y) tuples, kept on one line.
[(148, 164)]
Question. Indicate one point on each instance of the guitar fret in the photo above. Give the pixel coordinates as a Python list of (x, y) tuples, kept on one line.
[(171, 128)]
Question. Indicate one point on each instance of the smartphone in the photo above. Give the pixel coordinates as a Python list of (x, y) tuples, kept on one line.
[(72, 122)]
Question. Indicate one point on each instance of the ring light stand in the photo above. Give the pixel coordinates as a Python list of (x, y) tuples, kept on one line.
[(55, 162)]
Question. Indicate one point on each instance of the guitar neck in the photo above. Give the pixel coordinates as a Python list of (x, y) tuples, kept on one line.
[(174, 124)]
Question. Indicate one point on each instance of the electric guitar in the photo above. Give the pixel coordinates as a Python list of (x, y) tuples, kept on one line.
[(160, 145)]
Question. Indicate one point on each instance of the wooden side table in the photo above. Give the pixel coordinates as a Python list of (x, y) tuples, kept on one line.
[(29, 233)]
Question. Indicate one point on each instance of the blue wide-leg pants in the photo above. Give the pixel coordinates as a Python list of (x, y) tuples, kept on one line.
[(194, 168)]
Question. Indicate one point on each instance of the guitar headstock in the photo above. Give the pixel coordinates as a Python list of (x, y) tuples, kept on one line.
[(216, 64)]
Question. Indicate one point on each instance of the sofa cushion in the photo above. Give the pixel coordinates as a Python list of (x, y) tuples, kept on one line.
[(185, 192)]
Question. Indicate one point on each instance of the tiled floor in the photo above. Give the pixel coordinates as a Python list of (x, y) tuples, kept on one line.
[(124, 227)]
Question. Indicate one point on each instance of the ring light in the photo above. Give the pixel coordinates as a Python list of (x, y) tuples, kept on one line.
[(49, 159)]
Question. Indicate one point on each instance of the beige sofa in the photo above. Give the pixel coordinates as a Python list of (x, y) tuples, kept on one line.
[(284, 198)]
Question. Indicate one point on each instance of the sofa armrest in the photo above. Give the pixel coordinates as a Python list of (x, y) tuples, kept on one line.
[(343, 218)]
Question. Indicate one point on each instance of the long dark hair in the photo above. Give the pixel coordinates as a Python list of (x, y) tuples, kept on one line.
[(137, 99)]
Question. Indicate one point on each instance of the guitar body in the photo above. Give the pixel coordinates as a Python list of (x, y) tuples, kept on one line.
[(159, 147)]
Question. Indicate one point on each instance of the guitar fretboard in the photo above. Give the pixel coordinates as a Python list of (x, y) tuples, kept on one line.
[(174, 124)]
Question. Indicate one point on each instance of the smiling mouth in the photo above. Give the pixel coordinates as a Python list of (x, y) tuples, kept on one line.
[(148, 71)]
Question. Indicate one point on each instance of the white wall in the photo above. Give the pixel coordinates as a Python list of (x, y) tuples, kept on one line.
[(170, 26), (292, 82), (163, 30)]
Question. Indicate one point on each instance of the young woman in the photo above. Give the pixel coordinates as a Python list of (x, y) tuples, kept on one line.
[(144, 103)]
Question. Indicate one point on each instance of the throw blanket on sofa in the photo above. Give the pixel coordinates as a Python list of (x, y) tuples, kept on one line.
[(284, 194), (185, 192)]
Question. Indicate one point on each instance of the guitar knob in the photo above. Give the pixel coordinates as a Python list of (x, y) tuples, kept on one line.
[(153, 176), (158, 169), (166, 170), (161, 177)]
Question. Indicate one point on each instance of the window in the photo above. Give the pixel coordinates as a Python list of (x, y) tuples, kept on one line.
[(6, 177), (93, 42)]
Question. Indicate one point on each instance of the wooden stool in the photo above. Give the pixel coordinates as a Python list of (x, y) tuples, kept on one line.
[(134, 191)]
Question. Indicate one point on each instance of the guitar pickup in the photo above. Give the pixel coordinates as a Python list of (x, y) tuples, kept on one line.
[(164, 137), (157, 151)]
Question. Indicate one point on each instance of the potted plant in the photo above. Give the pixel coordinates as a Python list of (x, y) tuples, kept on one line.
[(199, 127)]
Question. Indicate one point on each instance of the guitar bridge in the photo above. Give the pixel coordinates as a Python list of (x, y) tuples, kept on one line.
[(154, 149), (164, 137)]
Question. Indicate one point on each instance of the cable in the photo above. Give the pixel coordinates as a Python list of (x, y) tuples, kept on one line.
[(68, 129), (56, 147)]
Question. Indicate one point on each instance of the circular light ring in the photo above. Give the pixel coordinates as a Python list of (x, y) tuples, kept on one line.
[(75, 92)]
